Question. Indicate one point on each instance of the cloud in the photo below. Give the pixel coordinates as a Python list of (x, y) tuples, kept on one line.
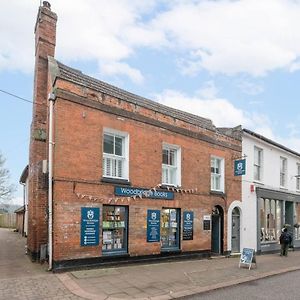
[(250, 87), (229, 37), (232, 37), (118, 68), (16, 44), (219, 110)]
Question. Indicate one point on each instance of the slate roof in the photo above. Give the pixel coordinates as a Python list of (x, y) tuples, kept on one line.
[(263, 138), (77, 77)]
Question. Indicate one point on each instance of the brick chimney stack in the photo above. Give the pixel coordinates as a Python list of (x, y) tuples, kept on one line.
[(45, 39)]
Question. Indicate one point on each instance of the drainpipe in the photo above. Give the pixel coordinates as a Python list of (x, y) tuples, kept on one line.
[(24, 204), (51, 99)]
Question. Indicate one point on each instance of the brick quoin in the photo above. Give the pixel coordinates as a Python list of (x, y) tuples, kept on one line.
[(83, 108)]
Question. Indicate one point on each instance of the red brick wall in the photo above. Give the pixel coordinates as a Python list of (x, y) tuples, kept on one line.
[(78, 157), (37, 193)]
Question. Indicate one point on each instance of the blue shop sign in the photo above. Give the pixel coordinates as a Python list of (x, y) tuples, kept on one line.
[(188, 225), (153, 225), (239, 167), (89, 226), (144, 193)]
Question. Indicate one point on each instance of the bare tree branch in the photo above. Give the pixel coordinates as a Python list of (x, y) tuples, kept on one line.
[(6, 189)]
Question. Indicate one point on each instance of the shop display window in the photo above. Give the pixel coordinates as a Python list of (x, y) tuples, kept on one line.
[(270, 214), (169, 228), (114, 230), (297, 223)]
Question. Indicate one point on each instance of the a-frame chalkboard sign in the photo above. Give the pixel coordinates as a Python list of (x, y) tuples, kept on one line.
[(247, 258)]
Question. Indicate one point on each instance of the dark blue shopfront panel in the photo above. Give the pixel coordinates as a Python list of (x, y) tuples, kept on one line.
[(188, 225), (239, 167), (153, 225), (89, 226), (143, 193)]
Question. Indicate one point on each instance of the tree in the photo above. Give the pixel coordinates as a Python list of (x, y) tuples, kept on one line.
[(6, 189)]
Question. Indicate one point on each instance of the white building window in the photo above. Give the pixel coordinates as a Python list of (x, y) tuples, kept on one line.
[(171, 165), (115, 154), (283, 171), (217, 174), (298, 177), (258, 163)]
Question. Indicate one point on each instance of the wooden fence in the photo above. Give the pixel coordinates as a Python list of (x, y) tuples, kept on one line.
[(8, 220)]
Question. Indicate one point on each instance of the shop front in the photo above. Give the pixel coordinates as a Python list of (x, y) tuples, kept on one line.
[(170, 230), (276, 210), (114, 229)]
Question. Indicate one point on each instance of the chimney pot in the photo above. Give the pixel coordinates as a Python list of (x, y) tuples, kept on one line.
[(47, 4)]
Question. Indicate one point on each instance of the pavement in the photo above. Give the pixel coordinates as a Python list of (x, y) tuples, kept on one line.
[(22, 279)]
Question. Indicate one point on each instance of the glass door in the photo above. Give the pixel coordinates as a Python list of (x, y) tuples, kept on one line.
[(170, 228), (114, 229)]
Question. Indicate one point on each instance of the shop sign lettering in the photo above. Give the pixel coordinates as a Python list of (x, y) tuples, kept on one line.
[(153, 225), (144, 193), (188, 225), (89, 226)]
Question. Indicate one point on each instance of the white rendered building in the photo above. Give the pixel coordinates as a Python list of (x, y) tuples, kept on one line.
[(270, 196)]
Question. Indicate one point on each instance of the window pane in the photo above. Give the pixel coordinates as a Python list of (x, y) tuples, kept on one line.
[(278, 218), (173, 157), (261, 204), (165, 176), (118, 146), (173, 176), (256, 173), (271, 221), (165, 160), (217, 182), (108, 144)]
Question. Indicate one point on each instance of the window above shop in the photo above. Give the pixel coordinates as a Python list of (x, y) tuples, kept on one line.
[(258, 164), (115, 154), (298, 177), (217, 174), (171, 165), (283, 172)]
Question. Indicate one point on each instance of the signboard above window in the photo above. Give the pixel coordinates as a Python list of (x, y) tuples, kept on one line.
[(143, 193)]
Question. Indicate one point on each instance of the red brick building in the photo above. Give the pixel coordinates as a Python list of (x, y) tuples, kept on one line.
[(129, 177)]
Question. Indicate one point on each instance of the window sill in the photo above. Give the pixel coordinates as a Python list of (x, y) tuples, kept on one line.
[(217, 193), (283, 188), (169, 186), (115, 181), (258, 182)]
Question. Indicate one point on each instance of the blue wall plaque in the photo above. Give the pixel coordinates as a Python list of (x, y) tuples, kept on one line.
[(89, 226), (153, 225), (130, 191), (188, 225), (239, 167)]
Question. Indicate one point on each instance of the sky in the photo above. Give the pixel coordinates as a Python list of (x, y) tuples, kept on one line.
[(235, 62)]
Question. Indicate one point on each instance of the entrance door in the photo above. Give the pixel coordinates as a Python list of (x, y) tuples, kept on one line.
[(217, 230), (235, 231), (170, 229), (114, 229)]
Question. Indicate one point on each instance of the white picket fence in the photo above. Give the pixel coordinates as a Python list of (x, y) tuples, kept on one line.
[(8, 220)]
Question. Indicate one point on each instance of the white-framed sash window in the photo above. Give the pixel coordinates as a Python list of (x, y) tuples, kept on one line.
[(115, 154), (298, 177), (171, 165), (217, 174), (258, 164), (283, 171)]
